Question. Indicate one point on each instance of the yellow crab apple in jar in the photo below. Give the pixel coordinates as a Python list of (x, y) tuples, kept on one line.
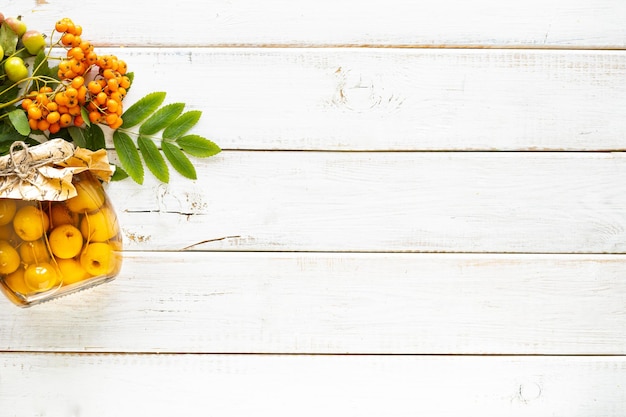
[(99, 226), (30, 223), (15, 281), (99, 258), (9, 258), (60, 214), (66, 241), (90, 195), (34, 252), (8, 207), (41, 277), (72, 271)]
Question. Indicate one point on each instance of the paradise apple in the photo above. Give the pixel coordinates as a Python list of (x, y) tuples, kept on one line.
[(33, 41), (15, 69), (16, 25)]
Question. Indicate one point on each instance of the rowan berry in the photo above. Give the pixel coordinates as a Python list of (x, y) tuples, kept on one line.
[(91, 58), (77, 67), (42, 99), (74, 110), (117, 123), (101, 98), (112, 106), (43, 125), (94, 116), (76, 53), (65, 120), (77, 82), (52, 106), (94, 87), (124, 82), (26, 103), (54, 128), (106, 62), (32, 123), (116, 95), (78, 120), (82, 94), (70, 26), (122, 68), (111, 118), (108, 74), (86, 46), (61, 25), (64, 66), (76, 41), (34, 112), (71, 92), (113, 85), (53, 117), (61, 99), (67, 39), (69, 75)]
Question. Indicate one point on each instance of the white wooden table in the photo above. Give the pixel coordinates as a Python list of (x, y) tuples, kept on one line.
[(420, 210)]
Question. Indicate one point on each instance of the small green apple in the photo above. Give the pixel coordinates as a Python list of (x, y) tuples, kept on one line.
[(15, 69), (16, 25), (33, 41)]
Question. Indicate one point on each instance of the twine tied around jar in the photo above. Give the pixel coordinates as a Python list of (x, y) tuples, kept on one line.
[(29, 173), (23, 165), (44, 171)]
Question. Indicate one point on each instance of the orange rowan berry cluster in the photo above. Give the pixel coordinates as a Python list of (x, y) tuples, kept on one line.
[(49, 114), (95, 82)]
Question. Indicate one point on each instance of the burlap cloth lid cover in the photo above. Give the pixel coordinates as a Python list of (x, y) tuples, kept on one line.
[(44, 172)]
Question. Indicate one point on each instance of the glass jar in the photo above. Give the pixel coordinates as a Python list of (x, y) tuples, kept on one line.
[(53, 248)]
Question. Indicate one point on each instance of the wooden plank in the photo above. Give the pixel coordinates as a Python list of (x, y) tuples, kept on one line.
[(200, 385), (383, 201), (532, 23), (393, 99), (336, 303)]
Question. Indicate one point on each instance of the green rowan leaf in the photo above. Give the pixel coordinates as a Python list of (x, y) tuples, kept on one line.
[(119, 174), (85, 115), (161, 118), (8, 40), (9, 93), (142, 108), (131, 78), (79, 136), (96, 138), (178, 160), (128, 155), (198, 146), (182, 124), (19, 120), (153, 158)]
